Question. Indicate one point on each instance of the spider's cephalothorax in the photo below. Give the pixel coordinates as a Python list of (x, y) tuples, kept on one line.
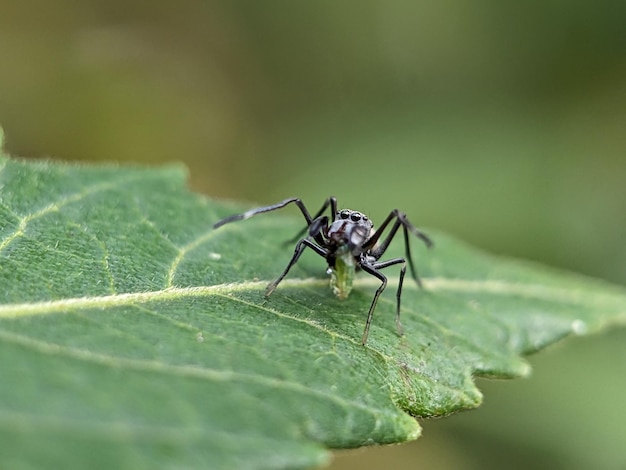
[(346, 236), (348, 243)]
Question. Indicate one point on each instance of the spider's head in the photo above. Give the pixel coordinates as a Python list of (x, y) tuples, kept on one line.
[(351, 228)]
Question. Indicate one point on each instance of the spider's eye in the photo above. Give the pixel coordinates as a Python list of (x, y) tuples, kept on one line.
[(355, 217), (344, 214)]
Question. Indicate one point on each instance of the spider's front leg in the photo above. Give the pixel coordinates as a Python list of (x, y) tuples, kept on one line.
[(302, 244), (332, 202), (261, 210)]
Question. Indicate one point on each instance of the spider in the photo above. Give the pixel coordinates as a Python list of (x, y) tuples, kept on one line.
[(349, 243)]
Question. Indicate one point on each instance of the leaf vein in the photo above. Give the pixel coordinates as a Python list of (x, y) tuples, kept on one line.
[(57, 205), (183, 251), (185, 371)]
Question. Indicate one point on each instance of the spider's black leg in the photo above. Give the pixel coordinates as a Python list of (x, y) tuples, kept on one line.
[(373, 269), (410, 227), (260, 210), (401, 220), (380, 250), (332, 202), (406, 227), (302, 244), (370, 243), (407, 247), (318, 228), (392, 262)]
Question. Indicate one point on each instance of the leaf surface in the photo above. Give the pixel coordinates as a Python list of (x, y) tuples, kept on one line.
[(132, 334)]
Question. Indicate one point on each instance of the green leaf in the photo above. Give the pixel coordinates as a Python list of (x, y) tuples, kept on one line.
[(132, 334)]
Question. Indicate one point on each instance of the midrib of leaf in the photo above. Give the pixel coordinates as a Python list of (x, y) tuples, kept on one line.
[(533, 291)]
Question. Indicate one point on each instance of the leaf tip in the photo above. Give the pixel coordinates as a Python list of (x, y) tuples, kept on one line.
[(414, 431)]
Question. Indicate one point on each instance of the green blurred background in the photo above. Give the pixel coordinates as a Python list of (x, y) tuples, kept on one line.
[(502, 123)]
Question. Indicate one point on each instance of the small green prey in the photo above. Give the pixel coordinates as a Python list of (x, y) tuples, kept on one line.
[(349, 243), (342, 275)]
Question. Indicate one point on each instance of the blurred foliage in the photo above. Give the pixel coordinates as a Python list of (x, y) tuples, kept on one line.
[(502, 123)]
